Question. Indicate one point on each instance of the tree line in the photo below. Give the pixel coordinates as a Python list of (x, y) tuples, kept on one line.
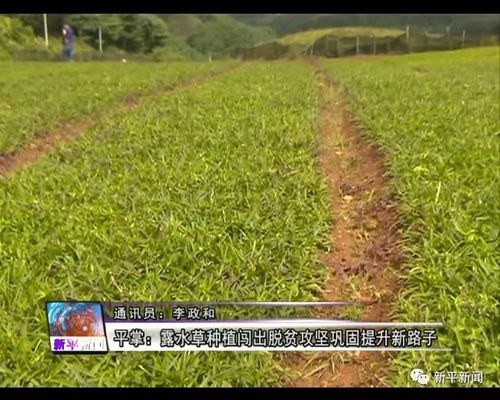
[(217, 35), (193, 36)]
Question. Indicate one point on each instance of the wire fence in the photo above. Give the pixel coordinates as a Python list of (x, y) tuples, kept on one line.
[(336, 46), (80, 56), (326, 46)]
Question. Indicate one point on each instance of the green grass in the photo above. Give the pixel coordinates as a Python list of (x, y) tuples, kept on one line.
[(436, 117), (210, 193), (36, 97), (204, 194), (308, 37)]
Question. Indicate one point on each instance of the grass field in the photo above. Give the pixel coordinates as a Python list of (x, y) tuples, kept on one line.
[(436, 115), (214, 192), (200, 195), (40, 96)]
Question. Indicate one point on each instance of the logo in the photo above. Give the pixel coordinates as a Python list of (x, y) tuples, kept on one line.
[(417, 375)]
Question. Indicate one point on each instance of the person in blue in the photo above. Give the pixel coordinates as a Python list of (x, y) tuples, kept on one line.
[(67, 52)]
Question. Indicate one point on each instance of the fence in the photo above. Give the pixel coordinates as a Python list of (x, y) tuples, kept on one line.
[(336, 46), (45, 55), (269, 51), (326, 46)]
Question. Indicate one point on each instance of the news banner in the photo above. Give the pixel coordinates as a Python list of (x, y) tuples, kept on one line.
[(94, 327)]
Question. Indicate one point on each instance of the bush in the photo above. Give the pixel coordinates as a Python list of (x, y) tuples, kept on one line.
[(13, 31), (16, 37), (176, 50), (163, 54)]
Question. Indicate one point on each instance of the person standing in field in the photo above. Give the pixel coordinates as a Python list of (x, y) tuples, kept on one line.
[(67, 52)]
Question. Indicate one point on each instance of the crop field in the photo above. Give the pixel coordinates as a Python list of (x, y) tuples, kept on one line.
[(437, 118), (203, 194), (215, 193), (42, 95)]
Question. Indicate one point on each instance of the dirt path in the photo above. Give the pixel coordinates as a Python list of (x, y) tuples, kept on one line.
[(364, 253), (45, 142)]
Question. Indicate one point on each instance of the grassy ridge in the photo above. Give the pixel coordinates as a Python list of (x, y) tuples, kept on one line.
[(308, 37), (36, 97), (436, 116), (211, 193)]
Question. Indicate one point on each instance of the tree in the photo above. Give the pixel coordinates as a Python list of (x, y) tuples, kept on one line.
[(143, 32), (54, 22), (130, 32), (221, 34), (156, 32), (86, 26)]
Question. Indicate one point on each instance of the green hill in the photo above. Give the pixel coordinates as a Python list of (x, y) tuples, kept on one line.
[(350, 41), (17, 38), (182, 25), (308, 37), (221, 35), (14, 36), (284, 24)]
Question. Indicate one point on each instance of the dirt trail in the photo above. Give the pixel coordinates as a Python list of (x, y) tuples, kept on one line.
[(45, 142), (365, 253)]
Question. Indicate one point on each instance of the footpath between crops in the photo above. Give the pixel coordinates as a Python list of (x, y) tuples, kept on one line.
[(46, 142), (364, 254)]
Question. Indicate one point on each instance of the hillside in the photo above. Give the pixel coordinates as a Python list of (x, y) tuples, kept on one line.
[(357, 40), (285, 24), (182, 25), (308, 37), (198, 36), (221, 35), (14, 35), (17, 38)]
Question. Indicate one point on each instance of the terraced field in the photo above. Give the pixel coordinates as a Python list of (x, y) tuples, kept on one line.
[(216, 192)]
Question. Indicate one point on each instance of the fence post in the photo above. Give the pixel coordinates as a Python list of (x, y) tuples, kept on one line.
[(408, 38), (448, 37), (46, 30), (374, 45), (463, 38), (357, 45), (209, 56), (100, 39), (338, 46)]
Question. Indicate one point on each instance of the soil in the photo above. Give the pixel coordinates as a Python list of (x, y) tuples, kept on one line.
[(365, 254), (131, 101), (44, 141)]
